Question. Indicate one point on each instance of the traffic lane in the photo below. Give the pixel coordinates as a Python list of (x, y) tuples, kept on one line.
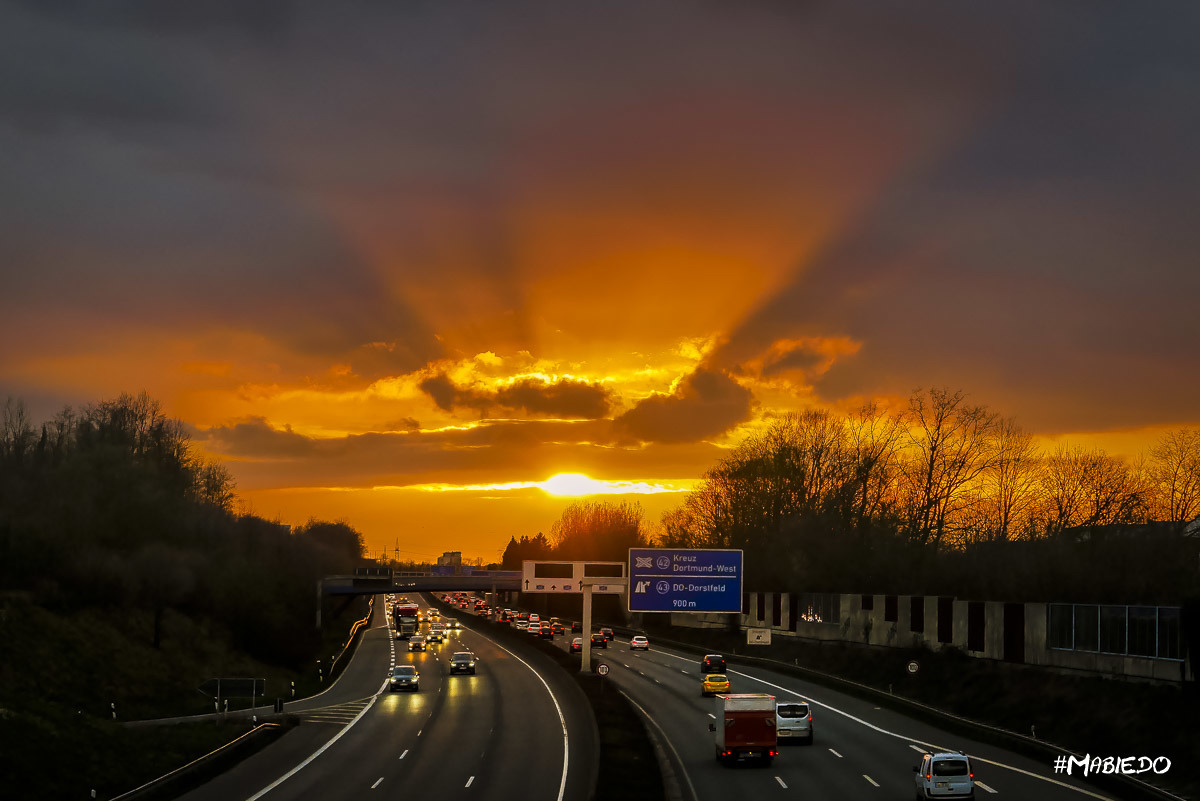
[(686, 725), (365, 755), (448, 753), (997, 768), (886, 761), (848, 720), (413, 742), (683, 718), (577, 714), (449, 756), (479, 755), (360, 679), (847, 768)]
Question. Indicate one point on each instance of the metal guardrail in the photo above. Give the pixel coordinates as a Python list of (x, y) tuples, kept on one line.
[(358, 625), (182, 772)]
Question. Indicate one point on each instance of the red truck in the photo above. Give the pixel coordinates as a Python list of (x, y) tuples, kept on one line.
[(745, 728), (404, 619)]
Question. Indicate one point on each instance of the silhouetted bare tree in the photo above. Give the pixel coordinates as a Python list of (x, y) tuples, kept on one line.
[(949, 442), (1012, 481), (1174, 473)]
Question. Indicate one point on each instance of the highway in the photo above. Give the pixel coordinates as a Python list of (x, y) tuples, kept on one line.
[(860, 751), (519, 729)]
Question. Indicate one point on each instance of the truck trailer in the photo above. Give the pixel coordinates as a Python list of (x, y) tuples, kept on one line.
[(745, 728), (404, 618)]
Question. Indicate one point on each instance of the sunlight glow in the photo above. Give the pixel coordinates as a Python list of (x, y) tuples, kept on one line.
[(573, 485), (565, 485)]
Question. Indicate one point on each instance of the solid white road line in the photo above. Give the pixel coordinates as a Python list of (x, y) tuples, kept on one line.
[(781, 784), (562, 785), (402, 756), (872, 781), (836, 754), (984, 786), (665, 739), (468, 784), (319, 751), (377, 781)]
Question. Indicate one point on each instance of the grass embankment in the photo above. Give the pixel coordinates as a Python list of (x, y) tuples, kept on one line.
[(629, 768), (1084, 714), (61, 674)]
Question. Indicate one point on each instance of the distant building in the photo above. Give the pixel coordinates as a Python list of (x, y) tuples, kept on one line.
[(451, 558)]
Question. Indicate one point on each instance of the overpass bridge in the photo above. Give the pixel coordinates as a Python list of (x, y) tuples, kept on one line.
[(378, 582), (491, 580)]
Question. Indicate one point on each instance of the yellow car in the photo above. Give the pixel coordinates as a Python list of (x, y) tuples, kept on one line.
[(714, 683)]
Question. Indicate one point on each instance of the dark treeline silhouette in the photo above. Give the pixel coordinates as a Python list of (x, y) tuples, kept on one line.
[(596, 530), (110, 506), (947, 497)]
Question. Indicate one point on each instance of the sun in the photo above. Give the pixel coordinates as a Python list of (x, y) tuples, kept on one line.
[(573, 485)]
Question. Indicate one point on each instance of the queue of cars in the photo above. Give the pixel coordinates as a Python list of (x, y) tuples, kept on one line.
[(943, 774)]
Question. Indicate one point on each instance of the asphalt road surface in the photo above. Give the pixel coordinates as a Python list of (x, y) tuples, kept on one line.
[(518, 730), (860, 751)]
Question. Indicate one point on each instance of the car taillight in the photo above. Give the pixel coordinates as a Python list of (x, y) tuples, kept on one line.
[(810, 718)]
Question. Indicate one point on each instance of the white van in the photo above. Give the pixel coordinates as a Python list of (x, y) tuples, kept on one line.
[(945, 775), (793, 723)]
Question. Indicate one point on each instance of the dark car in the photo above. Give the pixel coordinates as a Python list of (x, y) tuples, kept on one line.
[(607, 632), (462, 662), (599, 640), (576, 627), (547, 632), (577, 645), (405, 677), (712, 663)]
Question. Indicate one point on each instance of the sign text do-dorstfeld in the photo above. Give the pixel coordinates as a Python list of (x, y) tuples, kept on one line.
[(685, 580)]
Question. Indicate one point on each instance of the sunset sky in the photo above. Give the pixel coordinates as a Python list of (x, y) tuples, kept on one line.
[(400, 263)]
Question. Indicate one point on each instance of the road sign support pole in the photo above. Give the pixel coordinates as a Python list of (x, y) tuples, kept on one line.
[(320, 586), (585, 662)]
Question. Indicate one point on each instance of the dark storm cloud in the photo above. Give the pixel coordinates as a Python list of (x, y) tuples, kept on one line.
[(1048, 255), (707, 403), (562, 398), (356, 183), (510, 451), (258, 18)]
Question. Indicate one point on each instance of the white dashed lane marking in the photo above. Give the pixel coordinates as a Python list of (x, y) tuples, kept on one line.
[(872, 781), (835, 753), (984, 786), (377, 782), (781, 784)]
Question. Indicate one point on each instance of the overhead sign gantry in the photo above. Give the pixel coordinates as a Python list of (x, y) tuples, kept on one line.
[(575, 577)]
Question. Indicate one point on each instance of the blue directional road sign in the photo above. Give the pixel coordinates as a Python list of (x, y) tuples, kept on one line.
[(685, 580)]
